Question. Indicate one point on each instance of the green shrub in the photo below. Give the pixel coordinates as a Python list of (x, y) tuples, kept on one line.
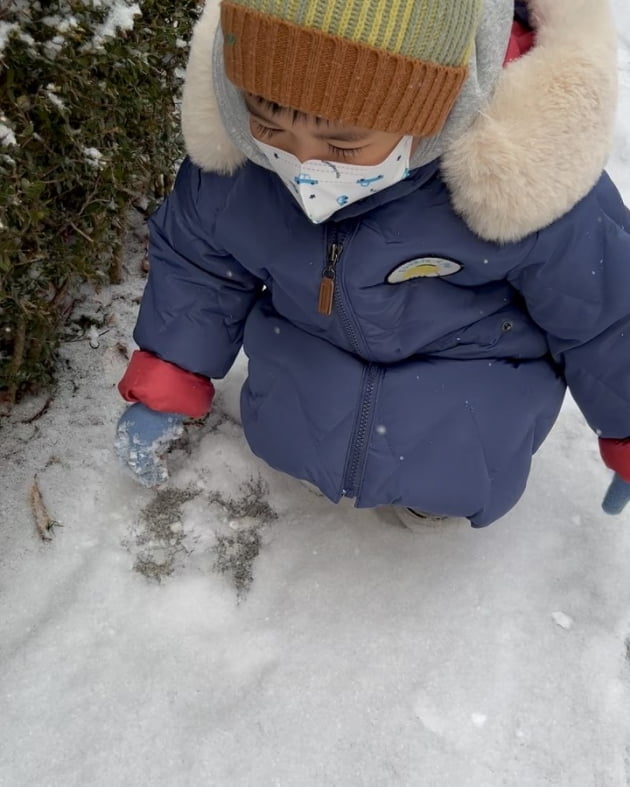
[(89, 126)]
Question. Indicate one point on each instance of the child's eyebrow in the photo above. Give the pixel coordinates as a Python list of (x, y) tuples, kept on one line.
[(338, 134)]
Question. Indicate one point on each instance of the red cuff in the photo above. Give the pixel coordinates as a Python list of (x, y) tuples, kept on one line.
[(521, 41), (165, 387), (616, 455)]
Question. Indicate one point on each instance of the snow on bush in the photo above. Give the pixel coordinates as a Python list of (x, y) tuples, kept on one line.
[(89, 92)]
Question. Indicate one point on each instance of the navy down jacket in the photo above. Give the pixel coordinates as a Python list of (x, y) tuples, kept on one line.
[(443, 363)]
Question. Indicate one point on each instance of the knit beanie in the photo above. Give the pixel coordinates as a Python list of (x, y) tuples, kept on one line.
[(390, 65)]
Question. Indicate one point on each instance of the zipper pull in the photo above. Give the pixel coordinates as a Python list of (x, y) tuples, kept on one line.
[(327, 284), (326, 293)]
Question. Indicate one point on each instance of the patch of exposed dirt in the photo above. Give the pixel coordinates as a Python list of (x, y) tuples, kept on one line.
[(159, 538)]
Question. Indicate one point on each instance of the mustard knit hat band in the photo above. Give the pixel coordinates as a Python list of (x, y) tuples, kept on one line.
[(337, 77)]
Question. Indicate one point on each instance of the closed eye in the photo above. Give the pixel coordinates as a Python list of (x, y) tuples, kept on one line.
[(266, 132), (344, 152)]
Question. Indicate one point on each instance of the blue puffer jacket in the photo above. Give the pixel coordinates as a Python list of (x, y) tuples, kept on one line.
[(432, 392)]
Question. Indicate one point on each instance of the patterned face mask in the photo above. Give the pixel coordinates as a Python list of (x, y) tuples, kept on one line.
[(324, 187)]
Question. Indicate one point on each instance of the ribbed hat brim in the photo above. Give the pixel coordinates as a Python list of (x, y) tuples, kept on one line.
[(337, 79)]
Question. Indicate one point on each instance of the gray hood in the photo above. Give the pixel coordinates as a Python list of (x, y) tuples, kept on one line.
[(484, 67), (522, 143)]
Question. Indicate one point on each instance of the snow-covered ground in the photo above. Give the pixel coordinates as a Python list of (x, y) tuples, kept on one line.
[(236, 629)]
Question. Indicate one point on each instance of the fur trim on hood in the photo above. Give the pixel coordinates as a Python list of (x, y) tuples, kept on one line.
[(207, 141), (534, 150), (543, 140)]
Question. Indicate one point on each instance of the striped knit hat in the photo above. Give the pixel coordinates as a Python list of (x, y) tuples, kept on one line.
[(391, 65)]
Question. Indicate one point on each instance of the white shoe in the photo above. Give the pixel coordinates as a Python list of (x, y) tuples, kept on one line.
[(419, 520)]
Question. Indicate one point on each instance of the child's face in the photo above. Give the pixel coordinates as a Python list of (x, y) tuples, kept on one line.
[(309, 137)]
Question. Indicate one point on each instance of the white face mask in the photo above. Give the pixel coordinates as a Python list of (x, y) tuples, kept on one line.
[(324, 187)]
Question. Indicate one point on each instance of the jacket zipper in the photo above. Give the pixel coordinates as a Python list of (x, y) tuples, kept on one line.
[(327, 284), (330, 295), (356, 460)]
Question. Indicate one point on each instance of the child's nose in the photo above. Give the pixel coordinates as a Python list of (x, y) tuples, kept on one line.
[(304, 151)]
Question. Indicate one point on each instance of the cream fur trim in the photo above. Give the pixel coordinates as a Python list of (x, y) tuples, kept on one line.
[(207, 142), (536, 150), (543, 141)]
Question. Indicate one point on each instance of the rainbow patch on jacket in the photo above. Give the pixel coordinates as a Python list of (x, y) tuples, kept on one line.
[(423, 268)]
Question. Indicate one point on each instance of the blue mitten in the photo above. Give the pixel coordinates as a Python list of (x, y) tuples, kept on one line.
[(617, 496), (143, 437)]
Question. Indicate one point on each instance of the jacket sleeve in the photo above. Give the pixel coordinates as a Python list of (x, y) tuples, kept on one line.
[(197, 296), (164, 387), (576, 285)]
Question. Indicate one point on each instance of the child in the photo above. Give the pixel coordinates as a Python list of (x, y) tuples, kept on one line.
[(412, 240)]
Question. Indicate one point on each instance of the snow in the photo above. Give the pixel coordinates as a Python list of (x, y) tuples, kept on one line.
[(7, 135), (51, 93), (61, 24), (236, 629), (120, 16), (6, 28), (54, 46), (564, 621), (93, 157)]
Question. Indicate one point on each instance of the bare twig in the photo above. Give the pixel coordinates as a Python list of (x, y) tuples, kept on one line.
[(86, 337), (42, 410), (116, 266), (123, 350), (80, 231), (4, 9), (44, 522), (19, 346)]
